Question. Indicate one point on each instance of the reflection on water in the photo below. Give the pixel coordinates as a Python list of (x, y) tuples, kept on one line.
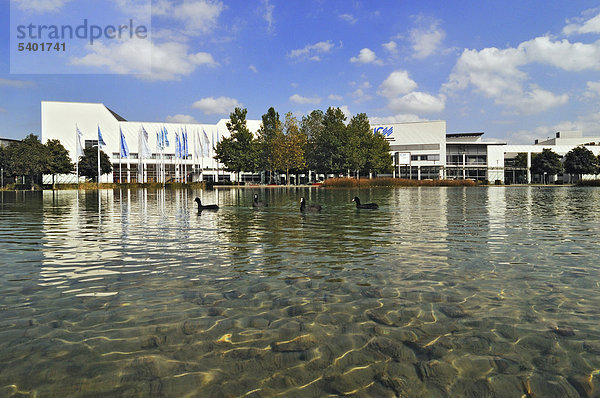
[(441, 292)]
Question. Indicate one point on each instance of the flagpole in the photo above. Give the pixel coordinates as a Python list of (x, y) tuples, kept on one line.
[(98, 163)]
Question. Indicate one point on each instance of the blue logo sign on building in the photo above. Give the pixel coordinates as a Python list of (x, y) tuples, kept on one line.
[(385, 131)]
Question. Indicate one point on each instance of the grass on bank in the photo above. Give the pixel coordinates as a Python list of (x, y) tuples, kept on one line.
[(393, 182)]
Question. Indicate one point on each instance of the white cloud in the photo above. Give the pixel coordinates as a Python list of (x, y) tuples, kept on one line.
[(391, 46), (351, 19), (346, 111), (253, 68), (198, 16), (533, 101), (310, 51), (180, 118), (268, 15), (170, 61), (498, 74), (491, 71), (580, 26), (212, 106), (40, 6), (593, 89), (418, 102), (15, 83), (298, 99), (562, 54), (426, 40), (361, 96), (397, 83), (366, 56), (399, 118), (334, 97)]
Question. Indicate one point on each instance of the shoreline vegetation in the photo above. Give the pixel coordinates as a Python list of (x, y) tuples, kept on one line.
[(342, 182)]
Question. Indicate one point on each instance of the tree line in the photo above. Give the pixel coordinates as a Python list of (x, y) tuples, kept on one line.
[(320, 141), (578, 161), (31, 159)]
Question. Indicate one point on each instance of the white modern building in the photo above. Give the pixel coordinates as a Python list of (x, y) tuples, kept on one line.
[(62, 120), (420, 150), (424, 150)]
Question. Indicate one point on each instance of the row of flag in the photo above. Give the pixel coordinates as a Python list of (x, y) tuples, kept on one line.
[(201, 143)]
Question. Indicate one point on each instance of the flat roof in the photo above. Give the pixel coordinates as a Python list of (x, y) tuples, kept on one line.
[(456, 135)]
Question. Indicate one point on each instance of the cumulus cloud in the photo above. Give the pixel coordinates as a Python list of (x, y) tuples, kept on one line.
[(426, 39), (366, 56), (180, 118), (346, 111), (334, 97), (400, 90), (583, 26), (169, 61), (533, 100), (498, 74), (15, 83), (198, 16), (312, 51), (220, 105), (391, 46), (351, 19), (253, 68), (593, 89), (397, 83), (298, 99), (418, 102), (40, 6), (399, 118)]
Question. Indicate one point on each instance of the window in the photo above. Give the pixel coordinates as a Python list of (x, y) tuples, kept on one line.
[(91, 143)]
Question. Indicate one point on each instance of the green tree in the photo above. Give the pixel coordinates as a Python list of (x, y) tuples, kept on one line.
[(239, 152), (521, 160), (312, 127), (27, 157), (546, 162), (580, 160), (59, 161), (326, 135), (378, 157), (357, 142), (289, 147), (268, 133), (88, 163)]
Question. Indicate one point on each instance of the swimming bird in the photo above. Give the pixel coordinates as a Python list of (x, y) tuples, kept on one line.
[(258, 203), (205, 207), (366, 205), (310, 208)]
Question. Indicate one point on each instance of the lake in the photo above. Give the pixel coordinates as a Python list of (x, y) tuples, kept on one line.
[(486, 291)]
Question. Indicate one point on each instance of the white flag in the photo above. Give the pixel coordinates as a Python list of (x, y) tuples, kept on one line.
[(146, 152), (79, 147), (197, 145)]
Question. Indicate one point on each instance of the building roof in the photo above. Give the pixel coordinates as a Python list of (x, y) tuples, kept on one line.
[(458, 135)]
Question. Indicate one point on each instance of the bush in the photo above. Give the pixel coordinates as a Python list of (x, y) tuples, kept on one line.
[(588, 183), (394, 182)]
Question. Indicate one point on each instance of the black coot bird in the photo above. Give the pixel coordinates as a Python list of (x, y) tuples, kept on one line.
[(205, 207), (366, 205), (310, 208), (258, 203)]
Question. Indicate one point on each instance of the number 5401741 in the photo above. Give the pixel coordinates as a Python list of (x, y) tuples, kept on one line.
[(32, 47)]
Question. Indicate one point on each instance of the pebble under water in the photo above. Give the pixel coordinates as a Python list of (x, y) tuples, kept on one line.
[(441, 292)]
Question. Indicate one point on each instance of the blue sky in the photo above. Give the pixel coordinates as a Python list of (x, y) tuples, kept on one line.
[(515, 70)]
